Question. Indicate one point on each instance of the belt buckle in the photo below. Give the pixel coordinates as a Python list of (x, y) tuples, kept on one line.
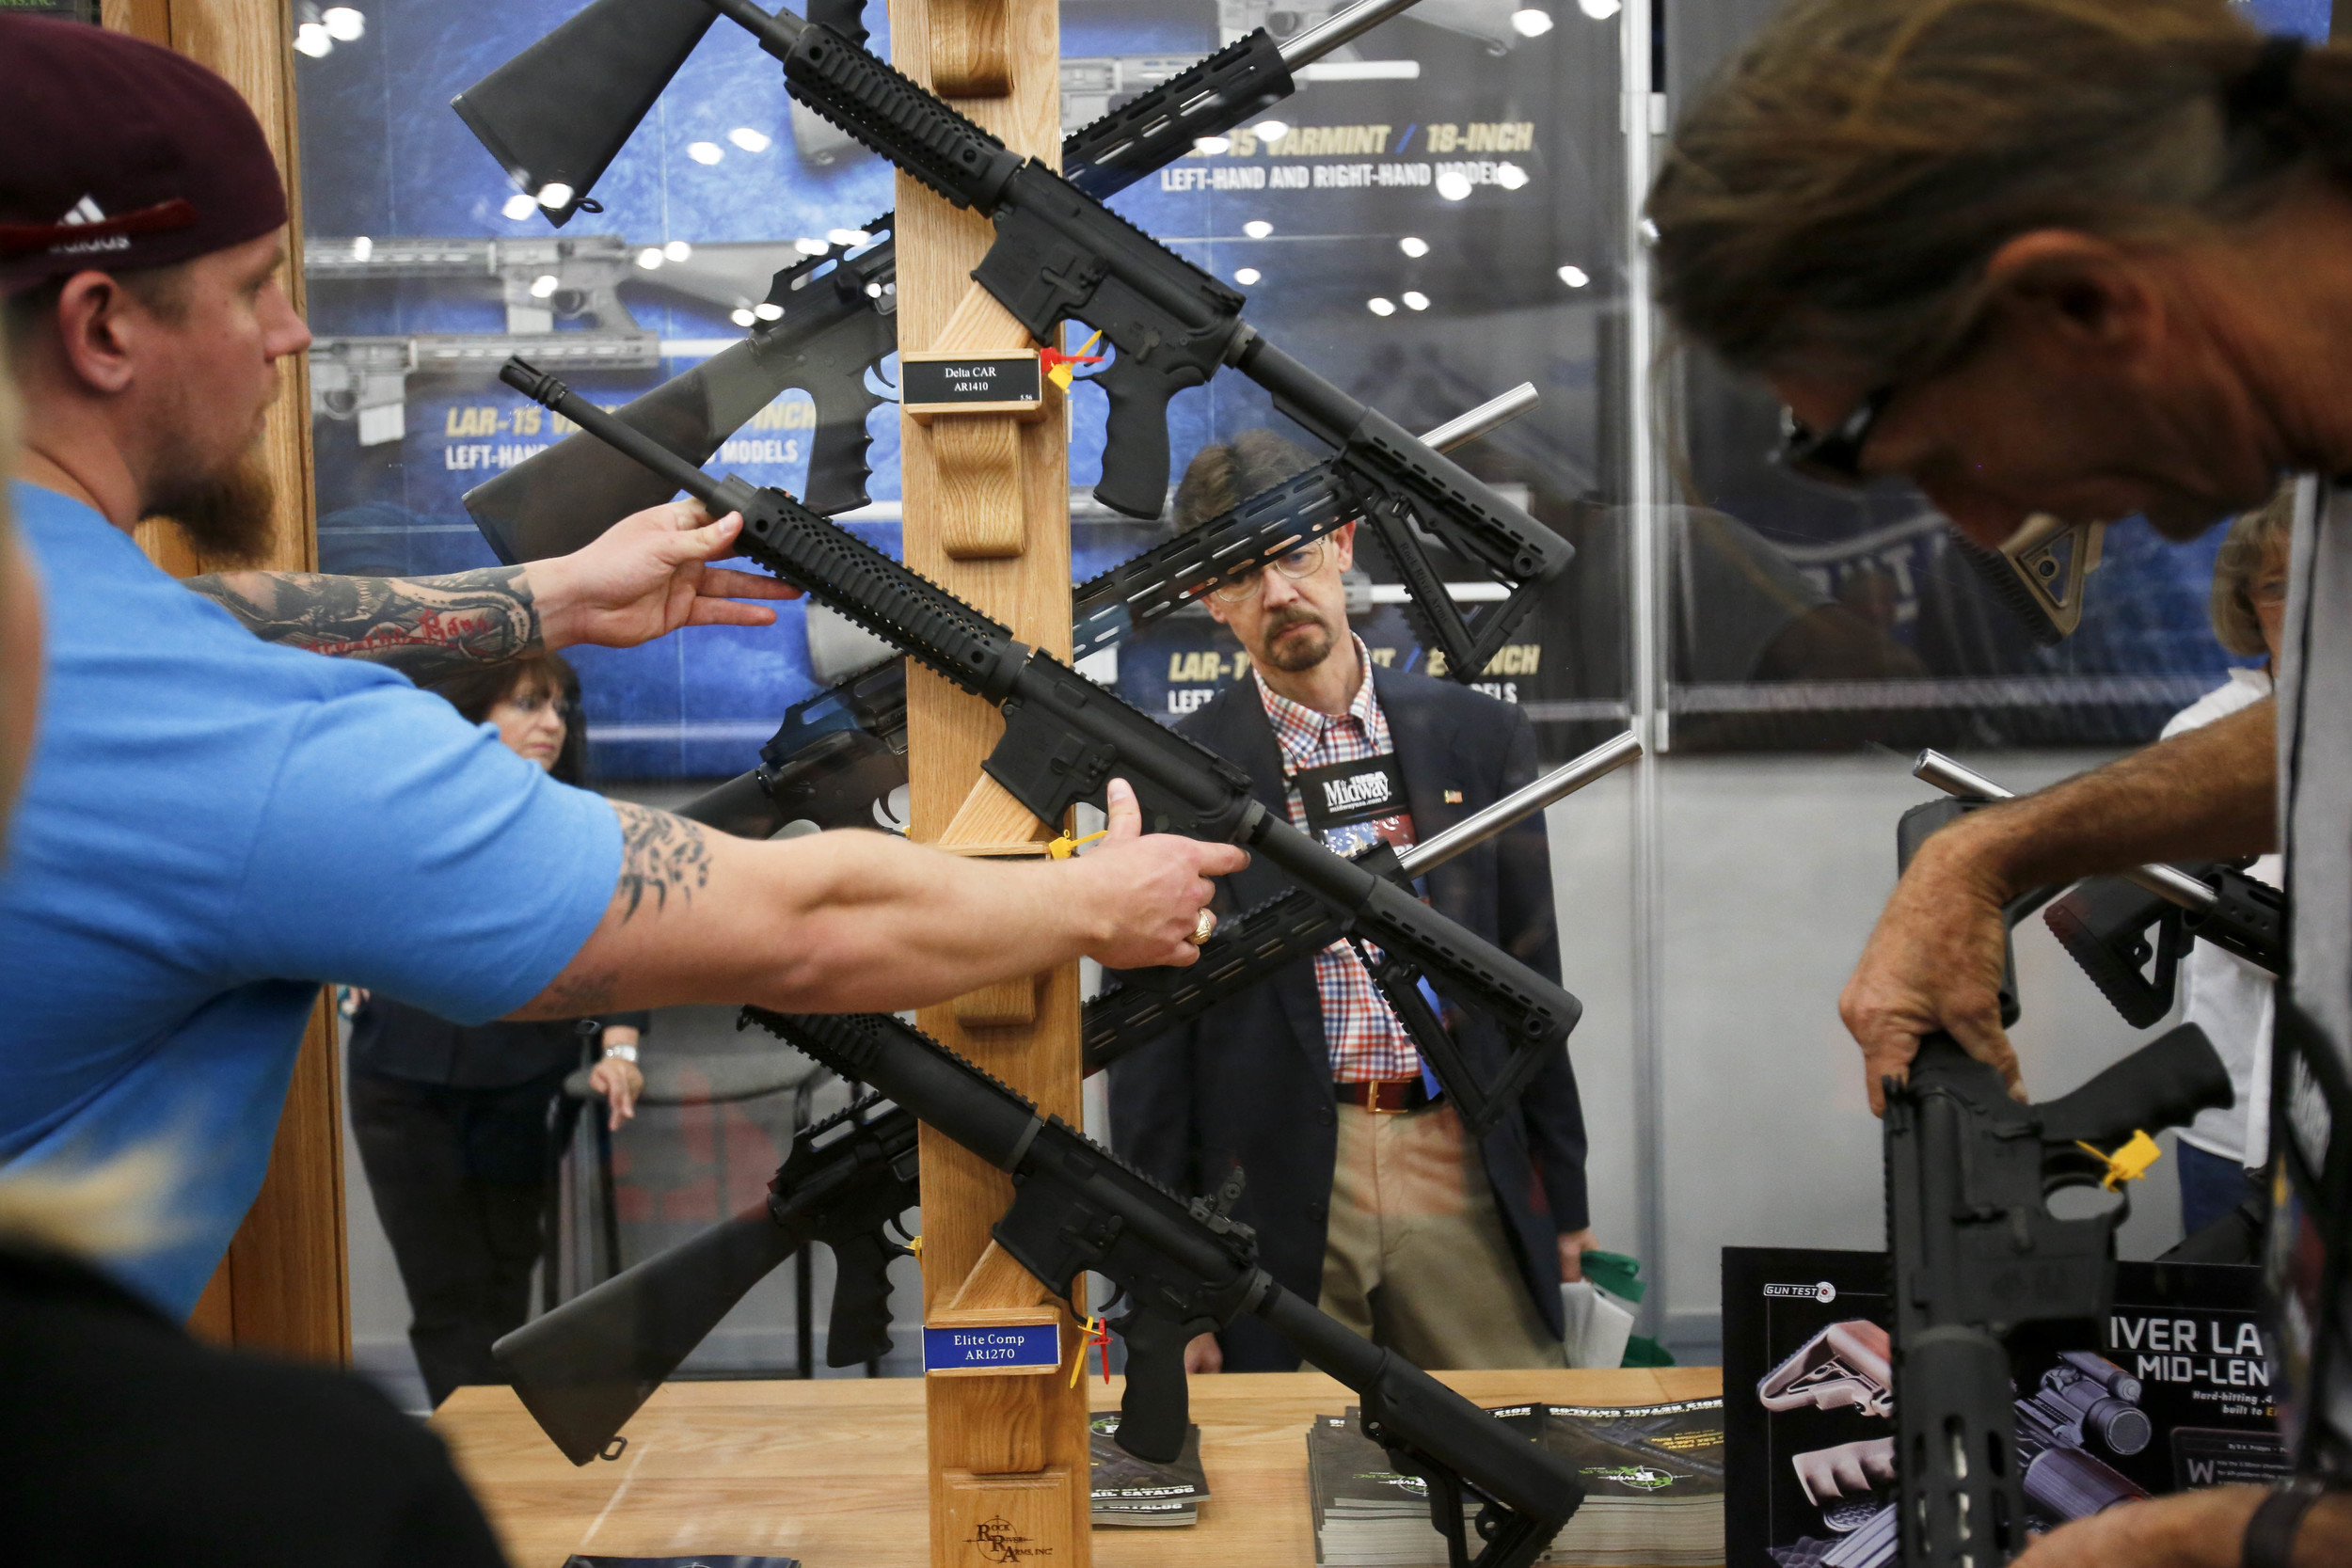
[(1371, 1092)]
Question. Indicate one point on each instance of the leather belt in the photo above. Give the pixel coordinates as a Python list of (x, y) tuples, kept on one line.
[(1384, 1097)]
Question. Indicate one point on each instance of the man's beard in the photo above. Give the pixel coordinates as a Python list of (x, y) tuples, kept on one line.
[(1300, 652), (228, 516)]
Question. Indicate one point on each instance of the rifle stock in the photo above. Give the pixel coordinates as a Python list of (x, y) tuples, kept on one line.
[(584, 1369), (558, 114)]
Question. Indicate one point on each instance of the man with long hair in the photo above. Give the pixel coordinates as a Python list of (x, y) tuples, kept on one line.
[(2084, 258)]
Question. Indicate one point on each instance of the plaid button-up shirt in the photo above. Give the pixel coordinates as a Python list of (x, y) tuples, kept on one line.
[(1367, 1042)]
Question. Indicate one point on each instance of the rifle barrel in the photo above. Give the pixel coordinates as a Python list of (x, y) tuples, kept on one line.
[(1341, 27), (545, 391), (2168, 883), (1491, 415), (1559, 783)]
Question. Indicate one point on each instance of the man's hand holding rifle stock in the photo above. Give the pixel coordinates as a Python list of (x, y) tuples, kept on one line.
[(1935, 960)]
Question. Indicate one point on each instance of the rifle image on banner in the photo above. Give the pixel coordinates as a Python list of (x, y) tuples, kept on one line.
[(1975, 1250), (1140, 1004), (1154, 584), (539, 282), (569, 102), (1065, 737), (584, 1369), (1184, 1268), (827, 321), (2104, 922)]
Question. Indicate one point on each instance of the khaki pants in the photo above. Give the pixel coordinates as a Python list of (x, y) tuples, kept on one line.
[(1417, 1258)]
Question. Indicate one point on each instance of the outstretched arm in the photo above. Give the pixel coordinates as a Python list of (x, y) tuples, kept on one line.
[(863, 922), (646, 576), (1935, 960)]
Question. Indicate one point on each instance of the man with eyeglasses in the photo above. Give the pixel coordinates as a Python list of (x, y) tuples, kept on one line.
[(1364, 1191)]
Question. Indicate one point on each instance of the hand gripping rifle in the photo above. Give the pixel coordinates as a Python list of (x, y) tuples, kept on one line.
[(1060, 254), (2104, 922), (1141, 1004), (1185, 1267), (834, 311), (815, 769), (585, 1368), (1974, 1251), (1065, 737)]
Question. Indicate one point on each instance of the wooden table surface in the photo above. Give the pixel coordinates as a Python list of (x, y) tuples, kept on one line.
[(832, 1471)]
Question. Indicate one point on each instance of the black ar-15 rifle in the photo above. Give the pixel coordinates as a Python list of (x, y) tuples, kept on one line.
[(1065, 737), (1185, 1267), (815, 767), (1975, 1252), (2104, 922), (1060, 254), (834, 314), (1182, 1266), (585, 1368), (1141, 1004)]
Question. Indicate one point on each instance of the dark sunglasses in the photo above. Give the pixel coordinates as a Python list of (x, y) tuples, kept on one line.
[(1832, 456)]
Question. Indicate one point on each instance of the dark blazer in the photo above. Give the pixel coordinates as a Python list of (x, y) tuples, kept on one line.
[(1250, 1080)]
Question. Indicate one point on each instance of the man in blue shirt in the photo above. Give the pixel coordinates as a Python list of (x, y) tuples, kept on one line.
[(211, 825)]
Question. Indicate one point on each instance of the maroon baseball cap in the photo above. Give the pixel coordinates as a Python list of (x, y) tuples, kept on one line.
[(121, 154)]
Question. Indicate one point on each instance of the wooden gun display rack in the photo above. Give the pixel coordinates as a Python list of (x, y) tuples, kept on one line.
[(986, 514)]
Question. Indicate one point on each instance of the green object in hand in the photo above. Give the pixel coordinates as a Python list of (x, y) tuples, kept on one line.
[(1616, 1273)]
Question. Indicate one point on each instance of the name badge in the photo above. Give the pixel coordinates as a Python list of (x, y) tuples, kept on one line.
[(1001, 1348), (1346, 793)]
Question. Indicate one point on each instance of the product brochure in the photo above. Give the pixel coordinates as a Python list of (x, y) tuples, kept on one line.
[(2171, 1391), (1131, 1492), (1653, 1479)]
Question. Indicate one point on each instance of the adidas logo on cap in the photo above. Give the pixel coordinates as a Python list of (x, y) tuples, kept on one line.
[(87, 210)]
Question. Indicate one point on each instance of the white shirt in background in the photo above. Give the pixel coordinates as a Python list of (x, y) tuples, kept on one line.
[(2228, 997)]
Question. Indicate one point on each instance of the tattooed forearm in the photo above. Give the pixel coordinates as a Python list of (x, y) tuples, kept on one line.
[(658, 853), (428, 629)]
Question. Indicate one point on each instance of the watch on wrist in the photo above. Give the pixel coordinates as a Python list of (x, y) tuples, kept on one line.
[(620, 1052), (2270, 1533)]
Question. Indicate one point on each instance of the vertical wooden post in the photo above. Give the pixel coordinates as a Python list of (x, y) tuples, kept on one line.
[(987, 513), (284, 1285)]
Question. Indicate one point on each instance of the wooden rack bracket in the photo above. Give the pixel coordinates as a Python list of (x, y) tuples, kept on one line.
[(979, 482), (1006, 1005), (971, 49), (991, 823)]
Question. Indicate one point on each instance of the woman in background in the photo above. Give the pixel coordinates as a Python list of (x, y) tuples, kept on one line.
[(460, 1127)]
